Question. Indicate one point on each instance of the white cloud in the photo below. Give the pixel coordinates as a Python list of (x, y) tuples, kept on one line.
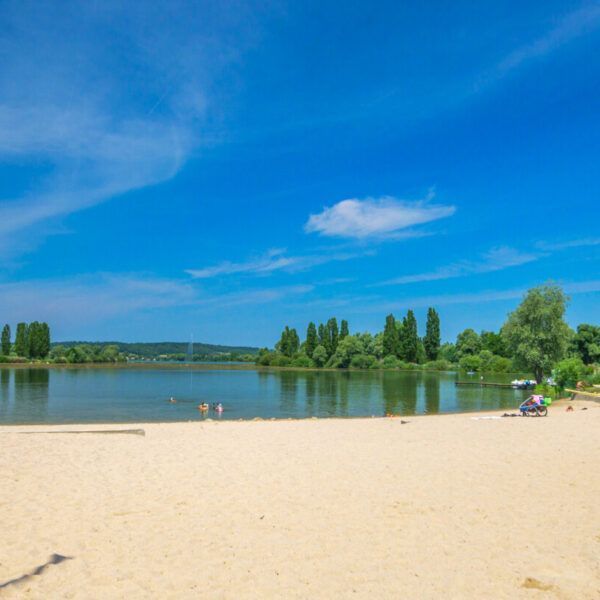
[(273, 260), (375, 217), (496, 259)]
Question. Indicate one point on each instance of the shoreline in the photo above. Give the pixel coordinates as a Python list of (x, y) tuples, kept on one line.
[(561, 403)]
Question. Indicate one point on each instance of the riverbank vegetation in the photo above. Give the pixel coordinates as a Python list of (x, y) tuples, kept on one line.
[(534, 339)]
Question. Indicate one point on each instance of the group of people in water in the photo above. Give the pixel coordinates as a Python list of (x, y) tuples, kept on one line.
[(204, 407)]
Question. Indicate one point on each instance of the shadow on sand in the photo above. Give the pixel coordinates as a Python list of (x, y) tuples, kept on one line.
[(55, 559)]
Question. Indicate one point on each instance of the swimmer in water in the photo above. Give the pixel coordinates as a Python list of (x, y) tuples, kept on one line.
[(203, 407)]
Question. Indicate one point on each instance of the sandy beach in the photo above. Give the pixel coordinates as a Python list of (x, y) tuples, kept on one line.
[(439, 507)]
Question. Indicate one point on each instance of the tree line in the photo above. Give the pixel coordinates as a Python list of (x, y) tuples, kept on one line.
[(32, 340), (534, 338)]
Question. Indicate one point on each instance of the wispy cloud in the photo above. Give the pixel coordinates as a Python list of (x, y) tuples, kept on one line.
[(496, 259), (376, 217), (257, 296), (565, 245), (274, 260), (571, 26), (69, 299), (103, 119), (373, 306)]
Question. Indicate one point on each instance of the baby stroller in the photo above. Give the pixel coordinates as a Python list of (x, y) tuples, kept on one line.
[(535, 406)]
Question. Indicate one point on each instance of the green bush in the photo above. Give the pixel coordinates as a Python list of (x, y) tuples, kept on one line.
[(301, 360), (281, 361), (470, 362), (438, 365), (546, 390), (363, 361), (569, 371), (390, 362)]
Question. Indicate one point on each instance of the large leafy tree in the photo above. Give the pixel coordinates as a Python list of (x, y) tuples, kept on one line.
[(536, 333), (468, 342), (587, 342), (493, 342), (390, 337), (311, 339), (22, 340), (289, 342), (5, 342), (411, 337), (431, 341)]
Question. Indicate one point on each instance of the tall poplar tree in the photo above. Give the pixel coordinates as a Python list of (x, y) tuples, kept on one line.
[(22, 340), (5, 343), (431, 341), (311, 339), (44, 340), (35, 340), (344, 329), (322, 336), (390, 337), (411, 337), (333, 336)]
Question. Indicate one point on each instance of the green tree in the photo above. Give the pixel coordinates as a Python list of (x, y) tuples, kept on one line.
[(289, 342), (468, 342), (411, 337), (320, 356), (333, 336), (390, 337), (322, 335), (311, 339), (37, 340), (5, 342), (569, 371), (22, 340), (344, 329), (587, 343), (431, 341), (448, 352), (493, 342), (45, 340), (535, 333)]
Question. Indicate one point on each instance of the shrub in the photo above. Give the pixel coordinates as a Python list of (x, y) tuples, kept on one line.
[(301, 360), (281, 361), (363, 361), (390, 362), (470, 362), (438, 365), (569, 371)]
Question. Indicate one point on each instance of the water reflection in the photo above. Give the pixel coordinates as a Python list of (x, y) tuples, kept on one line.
[(432, 384), (31, 393), (128, 395)]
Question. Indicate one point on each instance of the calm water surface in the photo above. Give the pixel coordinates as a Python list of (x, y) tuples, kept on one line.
[(80, 395)]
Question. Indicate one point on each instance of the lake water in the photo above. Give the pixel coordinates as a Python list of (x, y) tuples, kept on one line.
[(94, 395)]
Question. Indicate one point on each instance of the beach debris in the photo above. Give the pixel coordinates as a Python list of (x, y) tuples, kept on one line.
[(569, 409), (534, 584), (404, 422)]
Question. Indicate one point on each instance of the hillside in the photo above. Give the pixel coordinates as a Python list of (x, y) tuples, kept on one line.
[(155, 349)]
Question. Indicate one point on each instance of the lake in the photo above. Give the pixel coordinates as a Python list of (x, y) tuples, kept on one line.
[(94, 395)]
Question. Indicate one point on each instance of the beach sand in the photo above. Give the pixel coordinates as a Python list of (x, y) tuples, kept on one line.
[(440, 507)]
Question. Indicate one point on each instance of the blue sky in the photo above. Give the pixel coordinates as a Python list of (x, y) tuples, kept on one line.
[(220, 170)]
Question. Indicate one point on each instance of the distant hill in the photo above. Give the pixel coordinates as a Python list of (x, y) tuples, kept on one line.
[(155, 349)]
